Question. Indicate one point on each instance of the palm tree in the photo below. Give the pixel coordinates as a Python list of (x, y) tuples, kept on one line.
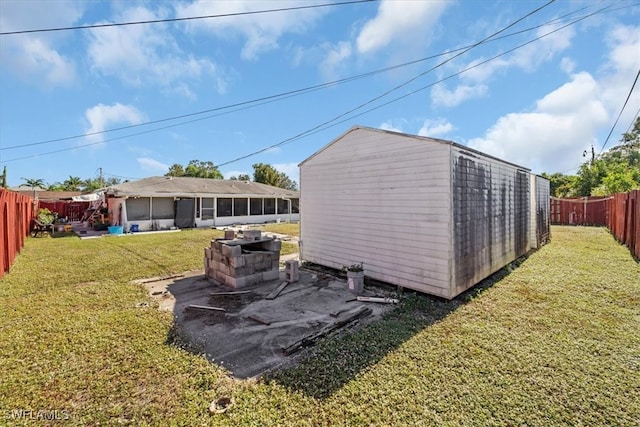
[(73, 183), (34, 182)]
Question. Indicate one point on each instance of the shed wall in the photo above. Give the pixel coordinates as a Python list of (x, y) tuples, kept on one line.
[(491, 216), (542, 212), (384, 200)]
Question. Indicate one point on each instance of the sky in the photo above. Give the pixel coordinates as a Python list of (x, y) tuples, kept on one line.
[(536, 83)]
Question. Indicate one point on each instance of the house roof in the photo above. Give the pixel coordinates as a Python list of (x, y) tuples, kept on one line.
[(358, 128), (167, 186), (42, 194)]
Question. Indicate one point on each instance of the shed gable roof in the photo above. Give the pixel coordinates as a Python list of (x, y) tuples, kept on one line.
[(359, 128)]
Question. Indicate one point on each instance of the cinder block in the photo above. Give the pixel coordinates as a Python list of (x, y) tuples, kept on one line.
[(270, 275), (231, 251), (216, 246), (251, 234), (207, 252), (273, 245), (291, 271), (229, 234), (275, 264), (236, 261)]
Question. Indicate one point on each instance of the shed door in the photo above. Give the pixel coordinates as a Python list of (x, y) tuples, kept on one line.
[(185, 213)]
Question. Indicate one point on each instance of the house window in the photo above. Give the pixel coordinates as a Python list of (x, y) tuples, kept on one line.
[(240, 207), (283, 206), (269, 206), (225, 207), (138, 209), (256, 207), (295, 206), (162, 208), (207, 211)]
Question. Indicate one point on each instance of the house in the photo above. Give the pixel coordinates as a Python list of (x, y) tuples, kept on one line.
[(164, 202), (420, 213)]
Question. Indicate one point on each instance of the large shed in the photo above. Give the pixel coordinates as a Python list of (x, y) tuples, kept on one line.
[(418, 212), (161, 202)]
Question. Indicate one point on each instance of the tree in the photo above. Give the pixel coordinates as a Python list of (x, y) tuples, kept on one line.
[(56, 186), (561, 185), (73, 183), (615, 171), (175, 170), (196, 168), (267, 174), (241, 177), (34, 182), (3, 179)]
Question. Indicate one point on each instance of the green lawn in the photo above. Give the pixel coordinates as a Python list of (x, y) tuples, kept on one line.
[(554, 342), (288, 228)]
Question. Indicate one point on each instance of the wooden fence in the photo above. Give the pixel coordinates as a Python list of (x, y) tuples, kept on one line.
[(620, 213), (16, 212)]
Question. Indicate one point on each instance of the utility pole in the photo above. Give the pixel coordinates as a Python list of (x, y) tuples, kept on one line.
[(101, 181)]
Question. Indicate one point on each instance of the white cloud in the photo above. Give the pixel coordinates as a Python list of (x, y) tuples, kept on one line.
[(570, 119), (149, 55), (478, 72), (101, 117), (567, 65), (291, 169), (38, 58), (388, 125), (399, 21), (262, 31), (334, 58), (436, 128), (553, 137), (152, 165), (441, 96)]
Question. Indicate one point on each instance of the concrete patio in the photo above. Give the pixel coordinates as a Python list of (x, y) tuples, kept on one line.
[(244, 331)]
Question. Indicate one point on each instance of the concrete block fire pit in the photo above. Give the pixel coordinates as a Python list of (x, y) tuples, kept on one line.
[(243, 262)]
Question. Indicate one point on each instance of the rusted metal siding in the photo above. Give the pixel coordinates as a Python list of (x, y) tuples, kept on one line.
[(624, 219), (491, 214), (620, 213), (16, 212), (579, 211)]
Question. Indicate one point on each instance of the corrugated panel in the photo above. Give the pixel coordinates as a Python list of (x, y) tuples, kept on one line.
[(16, 212), (579, 211), (623, 213)]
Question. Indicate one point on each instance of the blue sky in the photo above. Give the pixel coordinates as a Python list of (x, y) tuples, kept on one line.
[(540, 104)]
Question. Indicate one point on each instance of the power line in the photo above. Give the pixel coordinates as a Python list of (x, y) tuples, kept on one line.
[(326, 124), (283, 95), (190, 18), (621, 111)]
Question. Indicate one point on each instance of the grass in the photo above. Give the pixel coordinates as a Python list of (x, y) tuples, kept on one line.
[(288, 228), (554, 342)]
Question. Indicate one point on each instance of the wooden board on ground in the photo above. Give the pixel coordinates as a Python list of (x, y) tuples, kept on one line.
[(274, 294)]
